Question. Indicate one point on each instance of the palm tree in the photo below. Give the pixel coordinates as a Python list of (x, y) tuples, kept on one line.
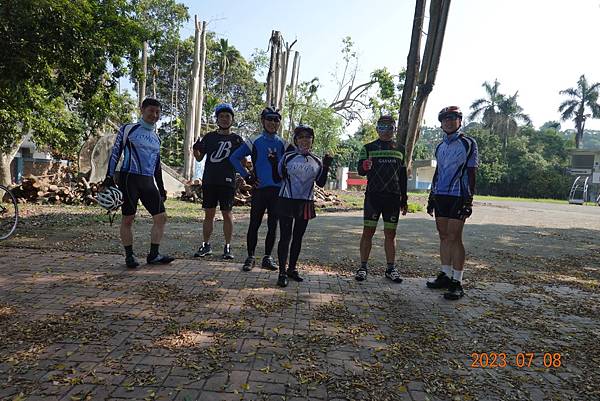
[(508, 116), (575, 107), (487, 107), (227, 55)]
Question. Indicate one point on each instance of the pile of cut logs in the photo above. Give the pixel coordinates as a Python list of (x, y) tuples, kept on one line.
[(50, 190)]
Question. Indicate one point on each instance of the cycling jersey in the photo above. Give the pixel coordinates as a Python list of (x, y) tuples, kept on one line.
[(258, 148), (299, 173), (218, 147), (388, 172), (454, 155)]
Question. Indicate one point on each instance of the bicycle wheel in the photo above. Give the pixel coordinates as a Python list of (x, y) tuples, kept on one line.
[(9, 213)]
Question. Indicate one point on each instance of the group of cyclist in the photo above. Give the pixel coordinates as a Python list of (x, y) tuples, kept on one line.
[(282, 176)]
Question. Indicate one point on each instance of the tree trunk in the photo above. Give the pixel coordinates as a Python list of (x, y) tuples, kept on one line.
[(142, 87), (272, 67), (191, 112), (5, 160), (438, 14), (293, 85), (412, 70), (199, 105)]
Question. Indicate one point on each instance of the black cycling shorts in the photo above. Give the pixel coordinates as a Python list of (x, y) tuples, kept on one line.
[(137, 187), (218, 194), (382, 203), (448, 206)]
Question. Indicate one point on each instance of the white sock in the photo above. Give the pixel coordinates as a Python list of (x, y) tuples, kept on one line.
[(457, 275), (447, 269)]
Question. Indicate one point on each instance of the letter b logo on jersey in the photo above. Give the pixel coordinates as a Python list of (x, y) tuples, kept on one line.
[(222, 153)]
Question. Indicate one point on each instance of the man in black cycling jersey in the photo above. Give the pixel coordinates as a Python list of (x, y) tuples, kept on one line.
[(140, 178), (382, 161), (218, 180)]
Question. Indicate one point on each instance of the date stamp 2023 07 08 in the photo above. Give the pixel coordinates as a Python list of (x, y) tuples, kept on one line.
[(492, 360)]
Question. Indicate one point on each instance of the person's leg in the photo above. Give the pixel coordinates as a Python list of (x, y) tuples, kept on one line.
[(257, 211), (300, 225), (457, 251), (390, 245), (271, 220), (126, 230), (227, 225), (445, 249), (151, 199), (371, 213), (208, 223), (285, 235)]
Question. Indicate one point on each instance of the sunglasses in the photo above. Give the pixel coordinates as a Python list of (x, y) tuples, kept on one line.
[(451, 117), (303, 136), (385, 127), (274, 119)]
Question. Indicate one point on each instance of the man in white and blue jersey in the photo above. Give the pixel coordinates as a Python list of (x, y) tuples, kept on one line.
[(140, 178), (451, 199)]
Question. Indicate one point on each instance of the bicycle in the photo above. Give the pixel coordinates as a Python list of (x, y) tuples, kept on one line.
[(9, 213)]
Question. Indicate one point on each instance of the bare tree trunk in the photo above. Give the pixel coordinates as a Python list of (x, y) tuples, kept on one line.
[(5, 160), (199, 106), (438, 14), (412, 70), (293, 87), (191, 111), (154, 74), (273, 42), (142, 87)]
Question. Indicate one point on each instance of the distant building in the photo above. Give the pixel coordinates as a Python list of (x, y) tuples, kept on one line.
[(585, 168)]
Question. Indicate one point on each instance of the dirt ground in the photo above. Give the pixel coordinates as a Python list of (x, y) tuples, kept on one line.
[(76, 325)]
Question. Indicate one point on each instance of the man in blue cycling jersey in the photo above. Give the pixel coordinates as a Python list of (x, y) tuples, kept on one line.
[(266, 190), (140, 178), (451, 199)]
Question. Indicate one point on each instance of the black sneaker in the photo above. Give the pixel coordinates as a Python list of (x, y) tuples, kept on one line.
[(227, 252), (131, 262), (293, 274), (361, 274), (248, 264), (455, 290), (282, 280), (204, 250), (441, 281), (393, 274), (159, 259), (269, 263)]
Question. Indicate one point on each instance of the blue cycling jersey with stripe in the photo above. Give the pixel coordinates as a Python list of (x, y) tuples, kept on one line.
[(454, 155), (258, 148), (141, 150)]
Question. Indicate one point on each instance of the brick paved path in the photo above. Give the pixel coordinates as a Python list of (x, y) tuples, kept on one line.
[(79, 326)]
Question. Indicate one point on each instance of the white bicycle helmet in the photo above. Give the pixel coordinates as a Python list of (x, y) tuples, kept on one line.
[(110, 198)]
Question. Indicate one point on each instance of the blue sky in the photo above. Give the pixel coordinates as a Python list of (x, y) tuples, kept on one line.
[(536, 47)]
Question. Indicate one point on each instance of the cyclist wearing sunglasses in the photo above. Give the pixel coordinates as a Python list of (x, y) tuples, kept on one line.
[(265, 191), (451, 199), (298, 170), (382, 161)]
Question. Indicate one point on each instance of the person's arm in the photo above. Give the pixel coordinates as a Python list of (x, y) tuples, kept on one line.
[(403, 182), (472, 175), (472, 165), (236, 159), (322, 178), (115, 154), (364, 163), (159, 180), (272, 157), (199, 149)]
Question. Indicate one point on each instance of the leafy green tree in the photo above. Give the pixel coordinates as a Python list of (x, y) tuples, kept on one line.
[(76, 51), (582, 98)]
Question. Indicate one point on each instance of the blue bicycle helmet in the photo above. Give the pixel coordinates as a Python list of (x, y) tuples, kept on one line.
[(224, 107)]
